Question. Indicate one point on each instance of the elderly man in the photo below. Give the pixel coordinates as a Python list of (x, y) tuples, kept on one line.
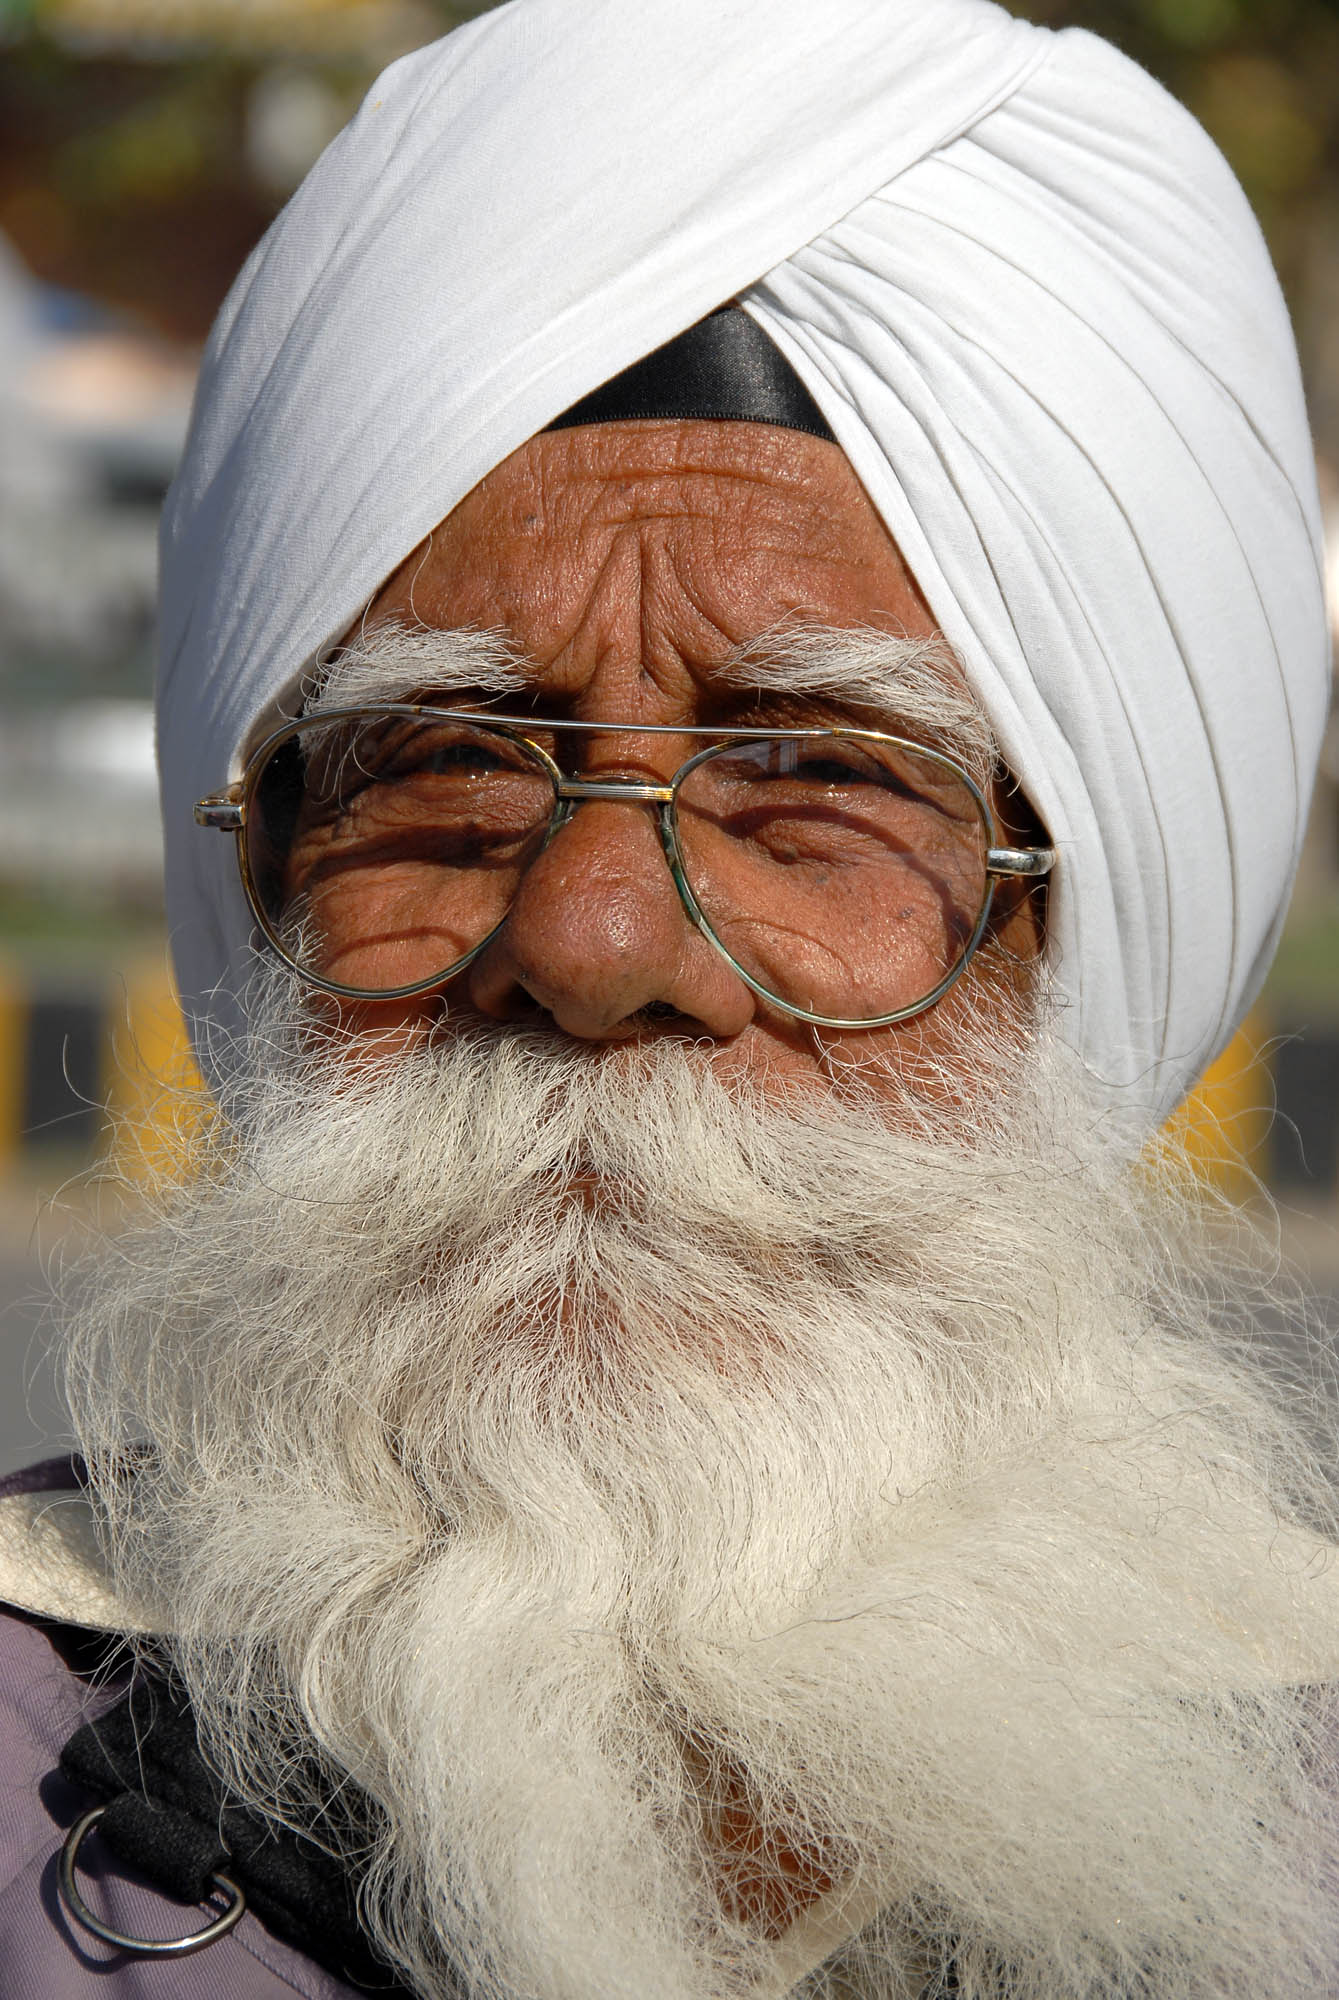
[(744, 592)]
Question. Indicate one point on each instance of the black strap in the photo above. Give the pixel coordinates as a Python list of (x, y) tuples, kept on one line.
[(167, 1815), (723, 368)]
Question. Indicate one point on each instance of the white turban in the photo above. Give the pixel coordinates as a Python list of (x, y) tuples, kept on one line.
[(1032, 304)]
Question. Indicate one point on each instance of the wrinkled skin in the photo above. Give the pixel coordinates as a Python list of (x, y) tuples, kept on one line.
[(625, 561)]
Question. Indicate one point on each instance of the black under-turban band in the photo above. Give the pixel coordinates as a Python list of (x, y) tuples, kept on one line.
[(725, 368)]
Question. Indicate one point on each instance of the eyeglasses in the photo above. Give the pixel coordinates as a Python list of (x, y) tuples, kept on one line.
[(845, 874)]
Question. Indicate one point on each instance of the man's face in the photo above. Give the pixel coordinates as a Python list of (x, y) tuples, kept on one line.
[(625, 563), (707, 1519)]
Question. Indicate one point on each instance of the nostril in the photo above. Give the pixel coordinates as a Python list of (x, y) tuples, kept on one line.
[(656, 1016)]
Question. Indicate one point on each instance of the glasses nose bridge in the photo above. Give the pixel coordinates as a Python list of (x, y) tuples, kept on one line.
[(573, 792), (616, 791)]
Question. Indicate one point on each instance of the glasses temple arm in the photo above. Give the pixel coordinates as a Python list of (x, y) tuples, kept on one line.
[(1032, 863), (221, 810)]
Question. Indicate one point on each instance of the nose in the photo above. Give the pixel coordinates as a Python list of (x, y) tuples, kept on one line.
[(597, 935)]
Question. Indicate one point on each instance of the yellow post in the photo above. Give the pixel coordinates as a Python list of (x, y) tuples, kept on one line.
[(1224, 1123), (13, 1049), (152, 1082)]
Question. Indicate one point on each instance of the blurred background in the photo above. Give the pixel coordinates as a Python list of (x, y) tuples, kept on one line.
[(144, 147)]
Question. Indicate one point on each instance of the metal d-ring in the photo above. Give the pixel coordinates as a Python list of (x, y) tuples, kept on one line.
[(180, 1947)]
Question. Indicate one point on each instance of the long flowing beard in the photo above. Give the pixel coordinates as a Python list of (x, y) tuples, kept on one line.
[(682, 1511)]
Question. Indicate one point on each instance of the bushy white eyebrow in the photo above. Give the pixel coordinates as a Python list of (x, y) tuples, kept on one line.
[(916, 684), (904, 683), (394, 660)]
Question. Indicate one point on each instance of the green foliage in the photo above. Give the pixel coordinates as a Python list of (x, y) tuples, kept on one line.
[(1260, 115), (1192, 24), (1304, 981), (149, 152)]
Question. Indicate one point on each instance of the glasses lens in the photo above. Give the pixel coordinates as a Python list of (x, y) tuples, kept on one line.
[(384, 848), (847, 878)]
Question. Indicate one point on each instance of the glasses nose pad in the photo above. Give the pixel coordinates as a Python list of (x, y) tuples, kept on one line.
[(558, 819), (670, 848)]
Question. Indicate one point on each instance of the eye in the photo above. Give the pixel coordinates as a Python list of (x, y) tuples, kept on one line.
[(342, 765), (829, 768), (857, 771), (464, 756)]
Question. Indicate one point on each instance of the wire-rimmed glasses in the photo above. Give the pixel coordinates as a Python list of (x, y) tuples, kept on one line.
[(845, 874)]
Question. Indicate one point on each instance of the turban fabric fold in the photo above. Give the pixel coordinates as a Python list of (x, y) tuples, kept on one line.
[(1029, 299)]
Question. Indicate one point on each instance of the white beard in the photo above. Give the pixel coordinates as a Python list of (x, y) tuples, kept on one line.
[(819, 1502)]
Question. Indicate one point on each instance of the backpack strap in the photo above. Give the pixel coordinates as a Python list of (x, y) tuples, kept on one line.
[(166, 1814)]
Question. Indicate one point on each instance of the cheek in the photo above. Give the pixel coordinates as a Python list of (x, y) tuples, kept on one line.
[(954, 1057), (358, 1035), (935, 1058)]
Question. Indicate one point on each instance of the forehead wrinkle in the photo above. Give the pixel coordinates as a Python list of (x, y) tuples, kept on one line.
[(700, 520), (731, 538), (639, 632), (692, 549), (667, 476)]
